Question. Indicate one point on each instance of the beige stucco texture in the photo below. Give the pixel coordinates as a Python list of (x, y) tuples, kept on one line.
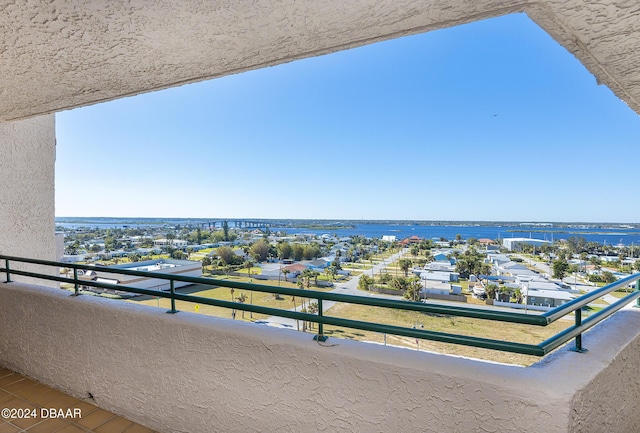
[(62, 54), (192, 373), (27, 159)]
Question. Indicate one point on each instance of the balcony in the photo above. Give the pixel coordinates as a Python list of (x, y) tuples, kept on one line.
[(187, 372), (33, 404)]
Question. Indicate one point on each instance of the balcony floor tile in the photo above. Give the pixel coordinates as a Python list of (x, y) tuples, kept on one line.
[(20, 392)]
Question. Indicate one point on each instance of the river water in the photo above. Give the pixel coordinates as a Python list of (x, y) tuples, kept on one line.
[(609, 235)]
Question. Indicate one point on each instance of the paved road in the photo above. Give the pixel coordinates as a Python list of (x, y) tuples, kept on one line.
[(347, 288)]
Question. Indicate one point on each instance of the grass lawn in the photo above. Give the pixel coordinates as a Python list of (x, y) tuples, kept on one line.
[(224, 293), (254, 271), (621, 293), (352, 265), (454, 325)]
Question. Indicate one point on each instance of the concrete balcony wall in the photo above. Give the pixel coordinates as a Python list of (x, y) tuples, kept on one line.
[(27, 167), (192, 373)]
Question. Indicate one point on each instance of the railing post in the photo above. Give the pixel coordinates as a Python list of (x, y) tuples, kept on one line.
[(578, 347), (637, 288), (6, 262), (173, 299), (75, 281), (320, 336)]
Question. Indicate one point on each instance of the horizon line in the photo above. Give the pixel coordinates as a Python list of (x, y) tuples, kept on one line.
[(353, 220)]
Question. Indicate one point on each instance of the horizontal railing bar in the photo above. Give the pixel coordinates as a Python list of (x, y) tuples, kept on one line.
[(475, 313), (528, 349), (137, 290), (484, 343), (569, 333), (585, 299), (505, 346)]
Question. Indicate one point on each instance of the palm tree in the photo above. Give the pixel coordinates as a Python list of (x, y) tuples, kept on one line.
[(405, 264), (248, 264), (300, 282), (313, 309), (285, 271), (583, 258), (233, 311), (242, 299), (315, 275), (293, 299)]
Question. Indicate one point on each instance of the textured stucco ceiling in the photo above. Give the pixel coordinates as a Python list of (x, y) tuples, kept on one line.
[(61, 54)]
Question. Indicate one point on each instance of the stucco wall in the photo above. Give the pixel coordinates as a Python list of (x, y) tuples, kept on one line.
[(609, 403), (191, 373), (27, 164), (68, 53)]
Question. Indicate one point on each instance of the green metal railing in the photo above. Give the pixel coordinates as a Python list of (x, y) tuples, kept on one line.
[(573, 332)]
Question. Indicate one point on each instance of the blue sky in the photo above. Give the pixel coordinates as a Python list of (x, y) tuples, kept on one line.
[(491, 120)]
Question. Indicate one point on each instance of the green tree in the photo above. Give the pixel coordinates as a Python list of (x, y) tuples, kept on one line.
[(260, 250), (311, 251), (471, 262), (576, 244), (297, 251), (285, 271), (225, 231), (399, 283), (491, 290), (178, 255), (242, 299), (429, 256), (312, 308), (226, 254), (332, 270), (284, 250), (307, 274), (412, 289), (404, 265), (111, 243), (365, 282), (560, 268), (248, 264), (314, 274), (385, 278), (608, 277)]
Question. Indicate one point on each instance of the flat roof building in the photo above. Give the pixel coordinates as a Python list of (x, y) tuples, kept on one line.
[(515, 244), (185, 268)]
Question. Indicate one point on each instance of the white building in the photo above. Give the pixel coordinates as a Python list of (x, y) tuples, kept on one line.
[(186, 268), (177, 243), (515, 244)]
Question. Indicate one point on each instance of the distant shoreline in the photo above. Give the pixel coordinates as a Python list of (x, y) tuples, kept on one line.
[(326, 224)]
